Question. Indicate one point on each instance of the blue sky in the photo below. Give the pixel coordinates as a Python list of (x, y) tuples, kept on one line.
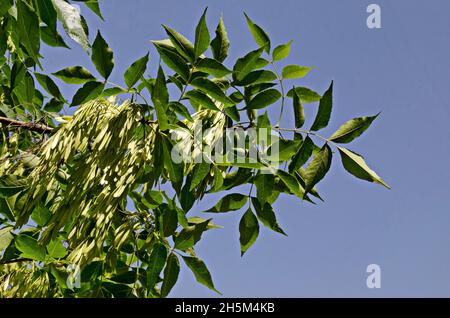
[(402, 70)]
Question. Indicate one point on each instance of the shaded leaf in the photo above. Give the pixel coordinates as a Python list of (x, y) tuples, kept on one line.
[(135, 71), (324, 112), (230, 202), (89, 91), (156, 263), (171, 272), (49, 85), (257, 77), (264, 99), (266, 215), (303, 154), (200, 272), (212, 89), (173, 60), (212, 67), (248, 230), (74, 75), (198, 97), (181, 44), (317, 168), (102, 56), (160, 98)]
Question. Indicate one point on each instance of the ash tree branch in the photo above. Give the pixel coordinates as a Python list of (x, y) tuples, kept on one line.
[(40, 128)]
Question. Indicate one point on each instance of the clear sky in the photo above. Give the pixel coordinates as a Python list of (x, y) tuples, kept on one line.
[(402, 70)]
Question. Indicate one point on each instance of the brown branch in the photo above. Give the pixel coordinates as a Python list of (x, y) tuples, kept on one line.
[(40, 128)]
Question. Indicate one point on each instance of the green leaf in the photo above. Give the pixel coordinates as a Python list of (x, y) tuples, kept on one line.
[(10, 185), (171, 273), (181, 44), (174, 170), (201, 171), (156, 263), (5, 237), (356, 165), (212, 89), (6, 209), (266, 215), (94, 6), (29, 247), (200, 272), (248, 230), (324, 112), (352, 129), (303, 154), (102, 56), (173, 60), (291, 183), (190, 235), (201, 36), (306, 95), (47, 13), (257, 77), (51, 38), (135, 71), (56, 249), (264, 183), (264, 99), (49, 85), (318, 168), (28, 29), (246, 64), (181, 110), (299, 113), (72, 22), (295, 71), (112, 91), (260, 36), (74, 75), (283, 149), (89, 91), (198, 97), (212, 67), (41, 215), (230, 202), (168, 221), (281, 51), (160, 98), (220, 44)]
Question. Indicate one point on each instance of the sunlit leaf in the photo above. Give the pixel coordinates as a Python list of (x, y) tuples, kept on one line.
[(356, 165)]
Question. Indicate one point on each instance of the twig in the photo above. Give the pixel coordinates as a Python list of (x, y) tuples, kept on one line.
[(41, 128)]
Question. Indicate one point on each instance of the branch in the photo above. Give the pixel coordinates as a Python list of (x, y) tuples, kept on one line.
[(17, 260), (40, 128)]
